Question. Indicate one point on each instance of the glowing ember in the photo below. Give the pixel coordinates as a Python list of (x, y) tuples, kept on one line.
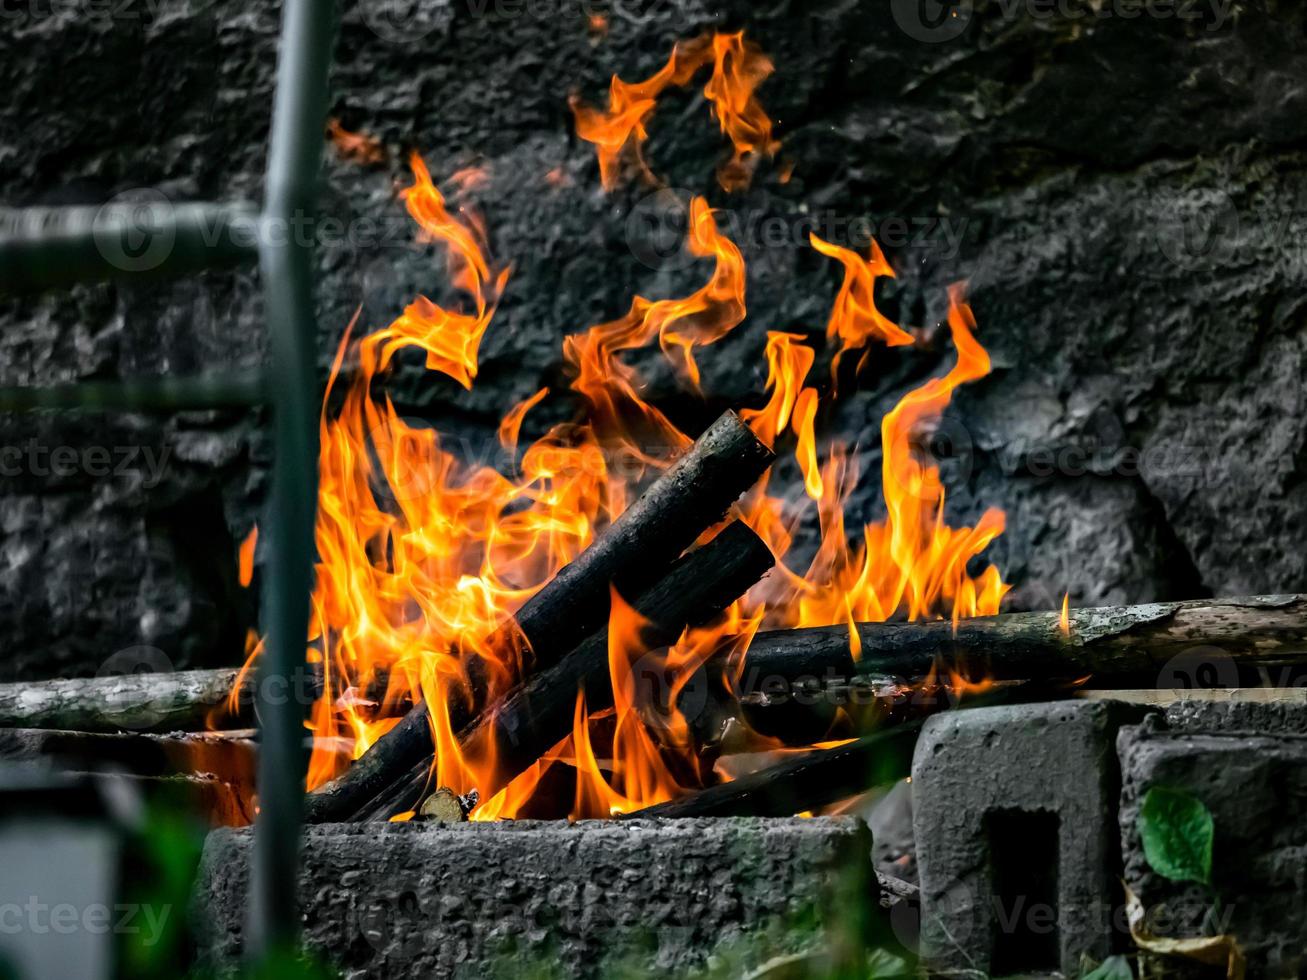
[(423, 557)]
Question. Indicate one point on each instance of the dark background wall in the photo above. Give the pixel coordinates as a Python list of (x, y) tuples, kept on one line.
[(1123, 193)]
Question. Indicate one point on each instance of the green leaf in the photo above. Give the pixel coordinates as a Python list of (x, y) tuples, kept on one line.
[(1112, 968), (1177, 832)]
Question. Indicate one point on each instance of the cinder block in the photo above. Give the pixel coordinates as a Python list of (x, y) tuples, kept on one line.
[(1256, 789), (1014, 812), (516, 899)]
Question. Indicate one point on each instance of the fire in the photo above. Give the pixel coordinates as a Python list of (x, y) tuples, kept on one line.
[(738, 69), (424, 556), (619, 415), (855, 319), (245, 566)]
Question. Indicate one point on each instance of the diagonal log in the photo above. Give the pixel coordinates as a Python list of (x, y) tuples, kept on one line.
[(632, 554), (541, 712)]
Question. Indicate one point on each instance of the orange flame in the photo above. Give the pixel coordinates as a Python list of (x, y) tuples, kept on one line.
[(424, 557), (245, 565), (855, 318), (619, 415), (739, 68), (451, 340)]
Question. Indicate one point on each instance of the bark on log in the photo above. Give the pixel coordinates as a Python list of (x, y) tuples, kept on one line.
[(540, 713), (136, 702), (185, 701), (632, 554), (1127, 645), (825, 776)]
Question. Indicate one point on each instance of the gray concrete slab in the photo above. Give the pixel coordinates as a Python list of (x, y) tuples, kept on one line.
[(584, 900)]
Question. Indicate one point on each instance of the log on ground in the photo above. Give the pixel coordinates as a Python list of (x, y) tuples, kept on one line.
[(1125, 646)]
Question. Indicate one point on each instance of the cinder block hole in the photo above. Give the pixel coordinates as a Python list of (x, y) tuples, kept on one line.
[(1023, 850)]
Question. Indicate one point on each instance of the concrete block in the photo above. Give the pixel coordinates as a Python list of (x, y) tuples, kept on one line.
[(548, 899), (1015, 821), (1256, 788), (1270, 717)]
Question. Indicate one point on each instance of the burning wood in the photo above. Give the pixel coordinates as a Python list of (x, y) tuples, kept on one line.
[(1113, 645), (541, 712), (486, 593), (682, 504)]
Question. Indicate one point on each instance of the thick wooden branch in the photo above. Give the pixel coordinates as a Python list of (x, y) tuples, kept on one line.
[(136, 702), (182, 701), (632, 554), (1141, 645), (540, 713)]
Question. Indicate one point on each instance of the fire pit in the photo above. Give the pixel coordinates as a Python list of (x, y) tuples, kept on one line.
[(646, 577)]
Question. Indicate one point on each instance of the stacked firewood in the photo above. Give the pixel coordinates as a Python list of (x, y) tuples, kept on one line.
[(790, 685)]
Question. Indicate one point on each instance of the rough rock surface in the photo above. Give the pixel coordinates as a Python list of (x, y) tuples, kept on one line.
[(1255, 787), (1234, 717), (512, 899), (1124, 195)]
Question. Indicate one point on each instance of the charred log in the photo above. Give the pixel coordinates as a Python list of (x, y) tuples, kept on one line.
[(808, 781), (632, 554), (540, 713)]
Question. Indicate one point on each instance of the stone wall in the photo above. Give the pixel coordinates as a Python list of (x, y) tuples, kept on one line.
[(1122, 194)]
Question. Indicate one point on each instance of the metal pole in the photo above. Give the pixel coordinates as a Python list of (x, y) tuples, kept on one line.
[(294, 164), (141, 395), (53, 248)]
